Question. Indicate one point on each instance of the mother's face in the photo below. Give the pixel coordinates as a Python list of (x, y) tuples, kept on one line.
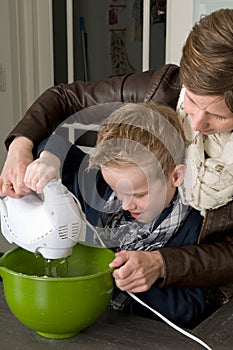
[(210, 114)]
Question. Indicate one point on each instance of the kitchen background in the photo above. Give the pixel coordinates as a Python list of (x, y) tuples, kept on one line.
[(45, 42)]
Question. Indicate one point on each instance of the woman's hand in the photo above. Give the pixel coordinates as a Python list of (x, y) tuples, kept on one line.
[(136, 271), (12, 177), (42, 170)]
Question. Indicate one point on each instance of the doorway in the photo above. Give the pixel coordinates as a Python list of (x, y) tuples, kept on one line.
[(107, 37)]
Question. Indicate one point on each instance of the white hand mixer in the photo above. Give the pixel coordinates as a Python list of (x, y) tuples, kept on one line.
[(50, 226)]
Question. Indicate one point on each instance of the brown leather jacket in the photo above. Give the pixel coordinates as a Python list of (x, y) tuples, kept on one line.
[(210, 262)]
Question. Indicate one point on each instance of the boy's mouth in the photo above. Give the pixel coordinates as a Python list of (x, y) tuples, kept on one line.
[(135, 215)]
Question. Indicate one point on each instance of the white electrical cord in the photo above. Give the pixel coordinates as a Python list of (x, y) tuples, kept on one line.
[(171, 324)]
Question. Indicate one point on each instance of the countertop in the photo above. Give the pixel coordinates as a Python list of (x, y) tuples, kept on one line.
[(118, 331)]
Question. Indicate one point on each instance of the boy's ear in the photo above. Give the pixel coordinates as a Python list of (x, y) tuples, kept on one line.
[(178, 175)]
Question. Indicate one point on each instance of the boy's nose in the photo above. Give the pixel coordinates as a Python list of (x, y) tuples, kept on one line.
[(128, 203)]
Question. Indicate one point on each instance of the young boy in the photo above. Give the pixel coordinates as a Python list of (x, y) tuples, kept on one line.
[(128, 190)]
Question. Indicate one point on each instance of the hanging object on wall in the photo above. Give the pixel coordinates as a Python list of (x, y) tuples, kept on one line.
[(138, 19), (158, 11), (113, 16), (120, 61), (84, 47)]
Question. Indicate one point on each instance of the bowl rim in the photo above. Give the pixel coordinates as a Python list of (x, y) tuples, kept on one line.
[(48, 278), (55, 279)]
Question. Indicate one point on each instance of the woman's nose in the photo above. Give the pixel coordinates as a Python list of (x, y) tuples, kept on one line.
[(199, 121)]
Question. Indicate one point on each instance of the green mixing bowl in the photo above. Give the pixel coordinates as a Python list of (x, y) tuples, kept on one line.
[(60, 306)]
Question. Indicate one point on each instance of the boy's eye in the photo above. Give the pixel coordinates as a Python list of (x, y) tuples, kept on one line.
[(139, 195)]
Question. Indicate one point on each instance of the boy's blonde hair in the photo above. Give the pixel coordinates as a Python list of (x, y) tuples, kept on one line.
[(144, 134)]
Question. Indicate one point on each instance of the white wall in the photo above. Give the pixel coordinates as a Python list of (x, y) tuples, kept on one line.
[(6, 97), (201, 7), (26, 52), (35, 55), (181, 15), (179, 23)]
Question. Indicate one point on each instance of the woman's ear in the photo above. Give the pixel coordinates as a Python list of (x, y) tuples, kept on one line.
[(178, 175)]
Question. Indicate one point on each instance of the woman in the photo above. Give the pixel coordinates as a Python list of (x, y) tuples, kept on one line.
[(205, 107)]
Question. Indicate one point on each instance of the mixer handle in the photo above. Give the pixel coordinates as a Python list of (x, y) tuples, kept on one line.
[(53, 191), (3, 207)]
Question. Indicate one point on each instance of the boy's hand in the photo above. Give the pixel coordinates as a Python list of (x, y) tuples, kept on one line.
[(42, 170), (136, 271)]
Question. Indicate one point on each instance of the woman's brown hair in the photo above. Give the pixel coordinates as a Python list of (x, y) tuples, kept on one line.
[(206, 66)]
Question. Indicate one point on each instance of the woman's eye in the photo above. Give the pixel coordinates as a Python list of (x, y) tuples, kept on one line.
[(218, 117)]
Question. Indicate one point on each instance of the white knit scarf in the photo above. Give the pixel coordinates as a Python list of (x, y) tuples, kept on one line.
[(208, 181)]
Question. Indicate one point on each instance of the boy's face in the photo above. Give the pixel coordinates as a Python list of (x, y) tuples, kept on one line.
[(143, 198)]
